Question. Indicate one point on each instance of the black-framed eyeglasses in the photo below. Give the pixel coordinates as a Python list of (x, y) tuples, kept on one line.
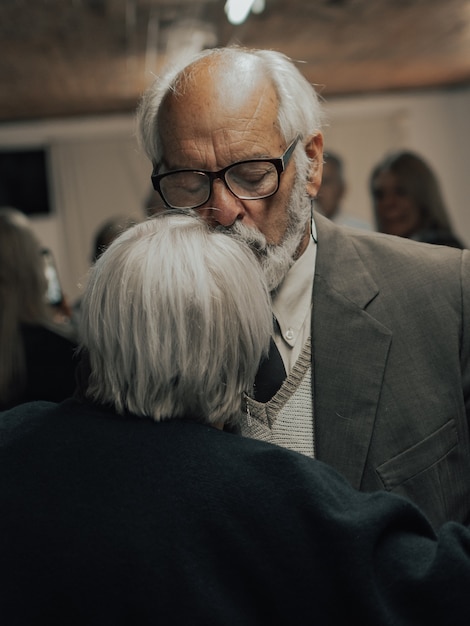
[(254, 179)]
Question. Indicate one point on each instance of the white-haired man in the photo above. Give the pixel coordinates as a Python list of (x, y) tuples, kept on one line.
[(373, 331)]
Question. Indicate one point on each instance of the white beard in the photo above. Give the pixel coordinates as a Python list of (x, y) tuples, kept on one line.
[(277, 259)]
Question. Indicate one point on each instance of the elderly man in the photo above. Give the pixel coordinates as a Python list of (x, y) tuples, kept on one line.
[(373, 331)]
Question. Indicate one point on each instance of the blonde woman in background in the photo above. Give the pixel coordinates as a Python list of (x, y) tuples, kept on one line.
[(36, 354)]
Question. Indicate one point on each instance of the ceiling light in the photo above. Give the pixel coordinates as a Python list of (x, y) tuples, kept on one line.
[(237, 10)]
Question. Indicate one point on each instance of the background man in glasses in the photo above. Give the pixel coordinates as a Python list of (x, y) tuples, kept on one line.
[(372, 330)]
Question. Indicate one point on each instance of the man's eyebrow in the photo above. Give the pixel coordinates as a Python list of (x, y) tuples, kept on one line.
[(163, 165)]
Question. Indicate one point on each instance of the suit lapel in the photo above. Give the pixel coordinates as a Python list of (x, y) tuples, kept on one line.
[(349, 353)]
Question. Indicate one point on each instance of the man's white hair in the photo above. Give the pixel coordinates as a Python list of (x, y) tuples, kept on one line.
[(300, 111), (176, 318)]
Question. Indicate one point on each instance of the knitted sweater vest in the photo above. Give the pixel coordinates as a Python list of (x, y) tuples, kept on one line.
[(287, 419)]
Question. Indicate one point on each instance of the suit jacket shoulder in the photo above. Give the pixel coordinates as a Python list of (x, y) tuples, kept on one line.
[(391, 366)]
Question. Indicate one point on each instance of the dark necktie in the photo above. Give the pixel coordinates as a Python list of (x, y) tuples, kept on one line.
[(270, 376)]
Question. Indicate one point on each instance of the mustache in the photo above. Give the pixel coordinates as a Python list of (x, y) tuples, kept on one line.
[(247, 234)]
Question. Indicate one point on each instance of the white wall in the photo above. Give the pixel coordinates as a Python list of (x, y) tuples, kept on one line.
[(97, 171)]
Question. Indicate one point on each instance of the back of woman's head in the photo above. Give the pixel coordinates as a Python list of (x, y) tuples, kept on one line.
[(175, 320)]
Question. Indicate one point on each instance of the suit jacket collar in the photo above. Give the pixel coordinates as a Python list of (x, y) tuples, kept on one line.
[(349, 352), (340, 265)]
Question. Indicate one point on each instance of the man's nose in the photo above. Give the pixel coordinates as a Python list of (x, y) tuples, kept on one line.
[(222, 208)]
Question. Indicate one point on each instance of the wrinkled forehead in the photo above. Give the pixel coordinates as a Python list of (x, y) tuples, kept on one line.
[(235, 80), (219, 112), (229, 86)]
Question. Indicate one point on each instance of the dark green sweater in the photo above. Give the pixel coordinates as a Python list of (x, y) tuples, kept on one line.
[(121, 520)]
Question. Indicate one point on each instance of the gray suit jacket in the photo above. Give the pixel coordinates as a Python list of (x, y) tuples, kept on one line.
[(391, 365)]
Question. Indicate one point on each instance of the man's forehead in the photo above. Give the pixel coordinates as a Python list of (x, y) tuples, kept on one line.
[(238, 82), (226, 83), (217, 108), (215, 113)]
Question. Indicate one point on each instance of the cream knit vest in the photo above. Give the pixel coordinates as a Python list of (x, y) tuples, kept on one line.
[(287, 419)]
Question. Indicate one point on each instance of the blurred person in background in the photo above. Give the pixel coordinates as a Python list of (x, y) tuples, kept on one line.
[(332, 191), (37, 354), (408, 201), (108, 232), (104, 236)]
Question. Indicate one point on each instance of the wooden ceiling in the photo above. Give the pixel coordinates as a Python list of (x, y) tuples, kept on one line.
[(87, 57)]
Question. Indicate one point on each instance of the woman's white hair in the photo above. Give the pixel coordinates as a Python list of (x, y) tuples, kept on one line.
[(176, 318), (300, 111)]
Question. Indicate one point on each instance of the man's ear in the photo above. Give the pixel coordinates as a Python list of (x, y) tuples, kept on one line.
[(314, 150)]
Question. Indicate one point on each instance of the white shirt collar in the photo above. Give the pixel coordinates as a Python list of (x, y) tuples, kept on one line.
[(292, 302)]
